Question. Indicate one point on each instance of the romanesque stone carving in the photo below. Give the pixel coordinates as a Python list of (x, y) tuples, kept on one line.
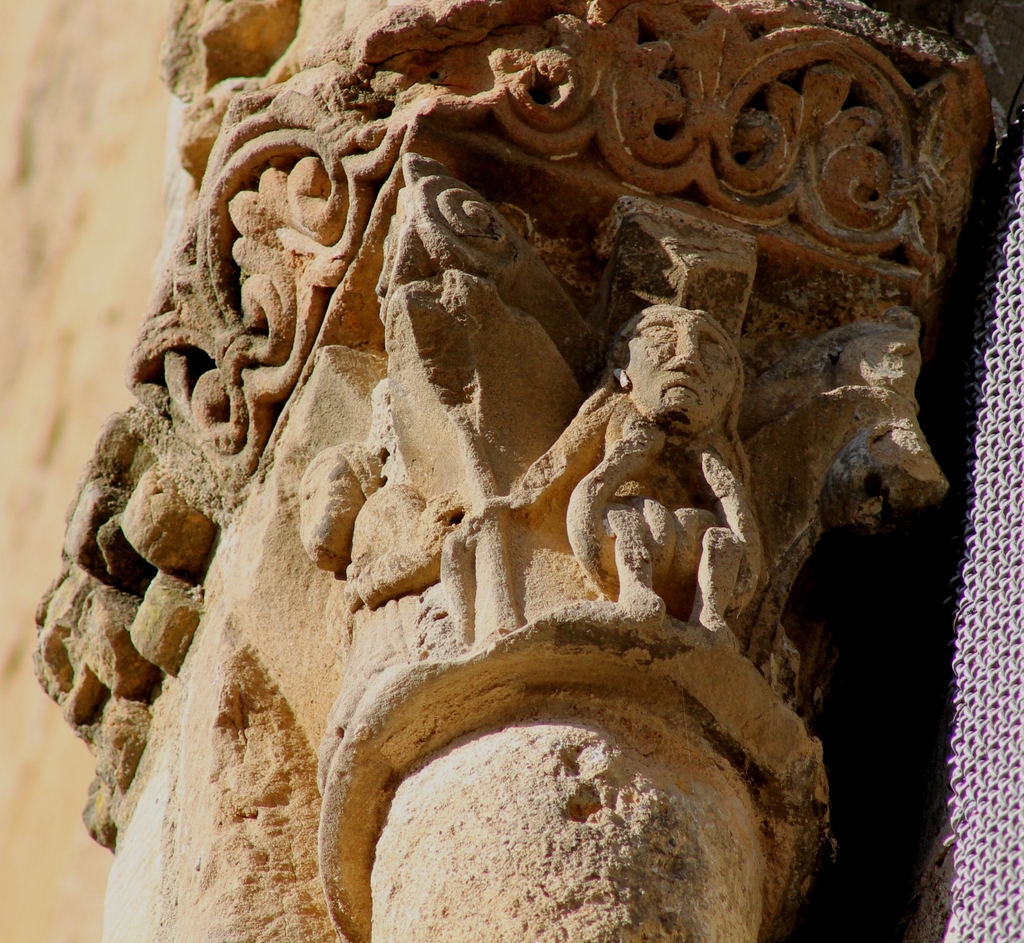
[(521, 353)]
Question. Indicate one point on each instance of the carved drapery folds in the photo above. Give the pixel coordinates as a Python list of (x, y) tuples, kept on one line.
[(637, 294)]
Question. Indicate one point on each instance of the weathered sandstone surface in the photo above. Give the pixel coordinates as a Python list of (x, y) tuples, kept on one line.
[(508, 365)]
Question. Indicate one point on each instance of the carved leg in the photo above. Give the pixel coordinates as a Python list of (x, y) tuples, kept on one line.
[(495, 602), (458, 576), (475, 572), (634, 561), (716, 577)]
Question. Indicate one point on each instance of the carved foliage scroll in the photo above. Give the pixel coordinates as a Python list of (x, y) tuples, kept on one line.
[(766, 124), (770, 117), (280, 219)]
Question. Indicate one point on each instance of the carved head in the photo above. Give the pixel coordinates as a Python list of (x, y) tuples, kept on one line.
[(679, 366)]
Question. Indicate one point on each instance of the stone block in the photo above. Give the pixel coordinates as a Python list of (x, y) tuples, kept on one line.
[(165, 623), (109, 647), (164, 529)]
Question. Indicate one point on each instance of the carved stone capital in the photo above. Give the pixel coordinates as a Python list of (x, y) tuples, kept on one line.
[(510, 366)]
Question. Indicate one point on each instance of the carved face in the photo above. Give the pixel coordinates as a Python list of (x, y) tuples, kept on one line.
[(681, 368)]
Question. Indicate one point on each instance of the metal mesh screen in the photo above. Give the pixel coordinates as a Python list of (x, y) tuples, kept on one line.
[(988, 738)]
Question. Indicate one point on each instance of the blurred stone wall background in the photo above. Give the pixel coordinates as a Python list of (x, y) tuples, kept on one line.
[(83, 118), (83, 125)]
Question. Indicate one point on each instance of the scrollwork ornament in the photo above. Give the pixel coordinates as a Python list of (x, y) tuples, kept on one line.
[(797, 123), (778, 125), (547, 104), (280, 218)]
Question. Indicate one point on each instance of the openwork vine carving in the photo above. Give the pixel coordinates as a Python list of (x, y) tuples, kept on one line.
[(785, 126), (795, 123), (282, 215), (798, 122)]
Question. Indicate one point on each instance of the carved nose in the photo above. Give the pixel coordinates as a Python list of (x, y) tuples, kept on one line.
[(687, 359)]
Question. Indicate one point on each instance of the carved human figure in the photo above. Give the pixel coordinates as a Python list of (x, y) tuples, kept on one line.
[(657, 515)]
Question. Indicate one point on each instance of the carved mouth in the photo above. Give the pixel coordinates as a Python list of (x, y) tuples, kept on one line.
[(680, 385)]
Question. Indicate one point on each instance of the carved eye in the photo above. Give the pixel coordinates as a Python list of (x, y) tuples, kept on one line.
[(470, 218), (715, 357), (660, 343)]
